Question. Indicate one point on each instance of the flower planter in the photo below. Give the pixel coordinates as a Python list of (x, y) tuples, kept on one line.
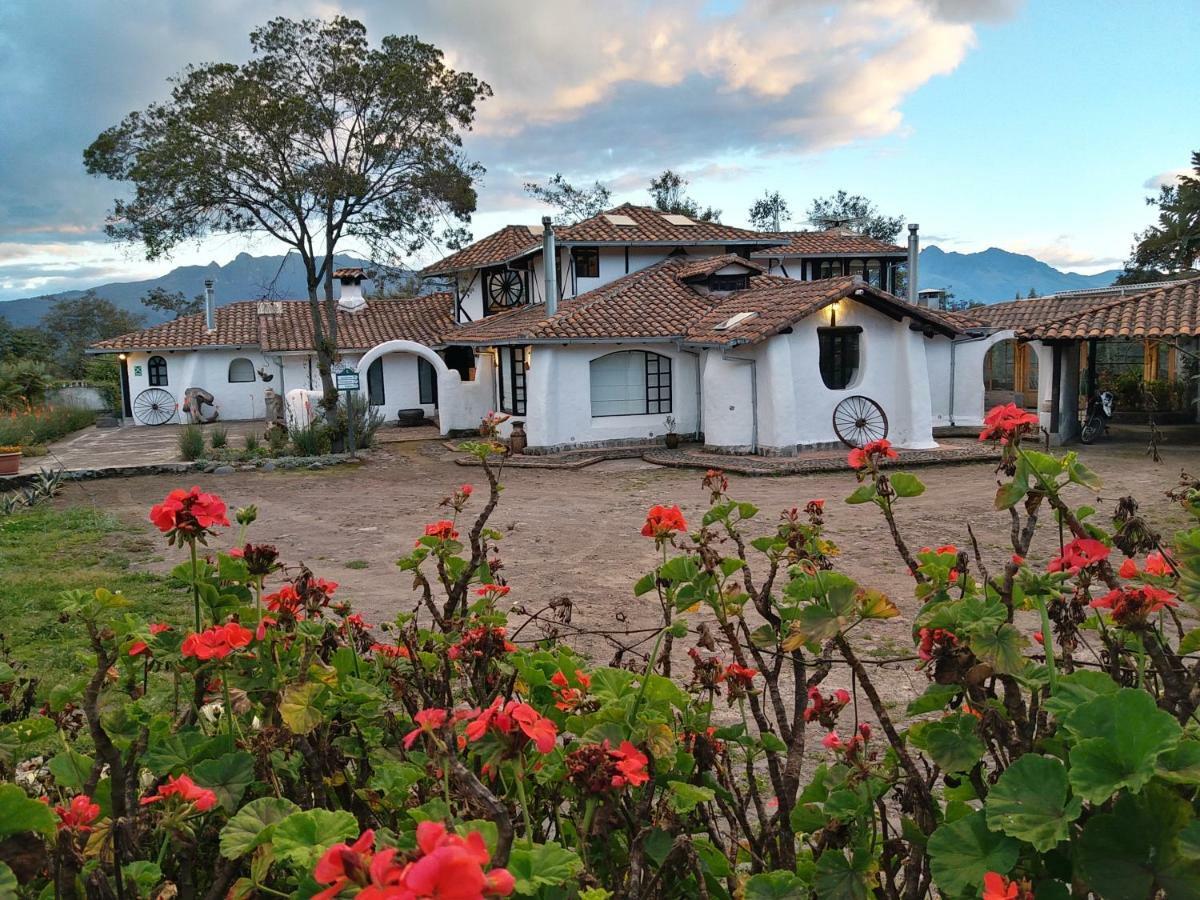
[(672, 440), (10, 463)]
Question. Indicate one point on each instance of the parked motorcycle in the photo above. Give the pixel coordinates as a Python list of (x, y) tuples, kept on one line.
[(1095, 419)]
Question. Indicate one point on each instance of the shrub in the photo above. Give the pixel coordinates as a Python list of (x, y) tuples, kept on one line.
[(251, 442), (311, 440), (104, 374), (281, 747), (366, 423), (191, 443), (44, 425), (218, 437), (277, 440), (23, 384)]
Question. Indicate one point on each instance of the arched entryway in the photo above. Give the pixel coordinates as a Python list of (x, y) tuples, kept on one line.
[(1010, 375)]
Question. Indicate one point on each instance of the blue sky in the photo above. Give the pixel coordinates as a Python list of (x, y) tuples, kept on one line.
[(1038, 127)]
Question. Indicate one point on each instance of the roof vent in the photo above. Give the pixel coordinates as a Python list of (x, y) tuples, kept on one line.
[(735, 320), (675, 219), (617, 219), (270, 307)]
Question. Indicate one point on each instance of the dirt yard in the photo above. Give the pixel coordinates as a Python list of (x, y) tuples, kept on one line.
[(576, 533)]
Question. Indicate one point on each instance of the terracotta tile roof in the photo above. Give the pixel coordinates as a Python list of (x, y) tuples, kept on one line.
[(655, 304), (351, 272), (287, 325), (1035, 311), (828, 243), (703, 267), (236, 326), (1165, 312), (503, 246), (651, 226)]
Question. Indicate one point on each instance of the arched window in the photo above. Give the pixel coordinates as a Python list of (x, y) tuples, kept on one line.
[(839, 355), (630, 383), (375, 395), (241, 369), (156, 370), (855, 267), (830, 268)]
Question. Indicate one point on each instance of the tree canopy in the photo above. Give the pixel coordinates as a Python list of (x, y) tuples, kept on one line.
[(318, 139), (769, 212), (71, 325), (574, 204), (855, 212), (1170, 246), (173, 302), (669, 193)]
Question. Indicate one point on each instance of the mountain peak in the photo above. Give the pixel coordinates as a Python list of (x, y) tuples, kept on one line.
[(995, 274)]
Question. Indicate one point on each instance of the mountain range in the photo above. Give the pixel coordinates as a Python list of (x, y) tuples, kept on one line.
[(989, 276)]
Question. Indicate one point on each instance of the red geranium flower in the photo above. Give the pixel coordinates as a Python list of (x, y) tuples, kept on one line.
[(345, 863), (188, 515), (202, 799), (137, 648), (567, 697), (1132, 606), (631, 765), (740, 676), (860, 457), (391, 650), (497, 590), (1077, 555), (216, 642), (442, 530), (452, 867), (78, 815), (537, 727), (510, 718), (428, 721), (1006, 422), (997, 887), (663, 521)]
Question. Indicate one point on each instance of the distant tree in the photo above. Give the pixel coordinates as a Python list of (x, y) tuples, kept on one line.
[(769, 212), (23, 343), (855, 212), (1031, 295), (317, 139), (1171, 246), (574, 204), (669, 192), (71, 325), (173, 302)]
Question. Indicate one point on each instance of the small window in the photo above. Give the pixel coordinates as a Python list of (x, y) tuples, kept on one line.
[(830, 268), (241, 369), (738, 282), (587, 262), (856, 267), (427, 379), (874, 273), (512, 380), (630, 383), (375, 393), (839, 356), (156, 370)]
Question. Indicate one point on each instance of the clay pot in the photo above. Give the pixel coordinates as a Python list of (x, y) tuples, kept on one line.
[(10, 463), (672, 440), (518, 440)]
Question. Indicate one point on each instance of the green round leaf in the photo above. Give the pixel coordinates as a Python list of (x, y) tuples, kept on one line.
[(839, 878), (301, 838), (963, 851), (228, 776), (951, 742), (299, 708), (1031, 801), (906, 485), (775, 886), (19, 813), (254, 824)]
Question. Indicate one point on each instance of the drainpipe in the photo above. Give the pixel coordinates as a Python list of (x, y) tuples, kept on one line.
[(753, 397), (550, 264), (209, 307), (913, 254)]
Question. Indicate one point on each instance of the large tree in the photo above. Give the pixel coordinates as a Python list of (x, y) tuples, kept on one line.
[(317, 140), (172, 302), (1171, 246), (574, 204), (71, 325), (669, 193), (853, 211), (769, 212)]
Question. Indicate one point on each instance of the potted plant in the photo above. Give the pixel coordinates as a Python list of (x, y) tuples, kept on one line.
[(671, 437), (10, 460)]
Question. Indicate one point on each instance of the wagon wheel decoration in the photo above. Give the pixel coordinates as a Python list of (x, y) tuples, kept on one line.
[(505, 288), (154, 407), (859, 420)]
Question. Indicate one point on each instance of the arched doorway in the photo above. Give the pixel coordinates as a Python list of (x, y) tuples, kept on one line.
[(1010, 375)]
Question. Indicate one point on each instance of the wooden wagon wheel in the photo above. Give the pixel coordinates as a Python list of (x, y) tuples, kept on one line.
[(154, 407), (506, 288), (859, 420)]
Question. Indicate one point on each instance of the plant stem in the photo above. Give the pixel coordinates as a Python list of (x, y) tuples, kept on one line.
[(1048, 643), (521, 797), (195, 583)]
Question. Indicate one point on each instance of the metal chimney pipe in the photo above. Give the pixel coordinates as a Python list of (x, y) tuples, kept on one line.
[(913, 254), (210, 312), (550, 264)]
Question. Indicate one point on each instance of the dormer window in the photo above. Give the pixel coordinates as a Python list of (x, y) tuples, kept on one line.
[(587, 261), (738, 281)]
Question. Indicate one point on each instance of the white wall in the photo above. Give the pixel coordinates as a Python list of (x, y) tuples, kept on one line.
[(558, 388), (207, 369), (966, 381), (728, 407)]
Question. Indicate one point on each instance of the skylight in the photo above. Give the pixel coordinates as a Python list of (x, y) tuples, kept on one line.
[(677, 219), (617, 219), (735, 320)]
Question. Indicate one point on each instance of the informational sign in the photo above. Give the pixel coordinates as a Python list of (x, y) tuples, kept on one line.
[(347, 380)]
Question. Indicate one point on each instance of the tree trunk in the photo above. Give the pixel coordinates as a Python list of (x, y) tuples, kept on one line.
[(324, 339), (327, 351)]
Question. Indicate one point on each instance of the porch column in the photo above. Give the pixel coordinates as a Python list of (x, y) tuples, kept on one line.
[(1058, 390)]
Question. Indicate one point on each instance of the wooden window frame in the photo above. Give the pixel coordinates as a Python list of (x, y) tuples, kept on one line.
[(514, 401), (590, 268), (840, 334), (156, 371)]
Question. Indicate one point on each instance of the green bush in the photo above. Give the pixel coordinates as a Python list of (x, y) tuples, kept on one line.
[(104, 374), (218, 437), (252, 442), (366, 423), (277, 440), (42, 426), (191, 442), (311, 440), (23, 384)]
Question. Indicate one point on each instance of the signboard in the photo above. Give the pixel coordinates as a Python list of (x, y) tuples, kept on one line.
[(347, 380)]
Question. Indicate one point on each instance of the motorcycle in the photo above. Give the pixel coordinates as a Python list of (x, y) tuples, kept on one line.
[(1095, 419)]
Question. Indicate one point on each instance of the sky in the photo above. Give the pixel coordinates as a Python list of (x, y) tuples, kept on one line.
[(1039, 126)]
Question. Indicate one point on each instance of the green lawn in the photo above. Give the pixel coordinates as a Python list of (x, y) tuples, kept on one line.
[(45, 551)]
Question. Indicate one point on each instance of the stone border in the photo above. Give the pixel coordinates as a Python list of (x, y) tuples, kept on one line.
[(782, 465)]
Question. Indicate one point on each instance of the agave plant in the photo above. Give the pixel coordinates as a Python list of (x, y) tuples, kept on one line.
[(48, 484)]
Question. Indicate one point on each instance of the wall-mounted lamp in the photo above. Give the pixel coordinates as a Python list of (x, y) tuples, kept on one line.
[(122, 356)]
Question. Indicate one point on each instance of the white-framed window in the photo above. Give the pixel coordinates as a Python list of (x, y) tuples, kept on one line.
[(630, 383), (241, 369)]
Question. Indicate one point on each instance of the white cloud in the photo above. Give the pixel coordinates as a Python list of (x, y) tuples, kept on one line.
[(1062, 253), (1165, 179)]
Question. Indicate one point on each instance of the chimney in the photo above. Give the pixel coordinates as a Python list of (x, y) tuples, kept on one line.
[(210, 309), (913, 254), (351, 297), (550, 263)]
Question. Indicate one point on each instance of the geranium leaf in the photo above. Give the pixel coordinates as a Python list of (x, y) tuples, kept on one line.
[(875, 605), (253, 825), (1078, 688), (19, 813), (542, 865), (1119, 737), (838, 878), (1032, 801), (775, 886), (1000, 648), (1181, 763), (950, 742), (23, 739), (71, 769), (936, 697), (9, 887), (299, 707), (864, 493), (686, 797), (964, 850), (906, 485), (228, 776), (1190, 642), (301, 838)]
